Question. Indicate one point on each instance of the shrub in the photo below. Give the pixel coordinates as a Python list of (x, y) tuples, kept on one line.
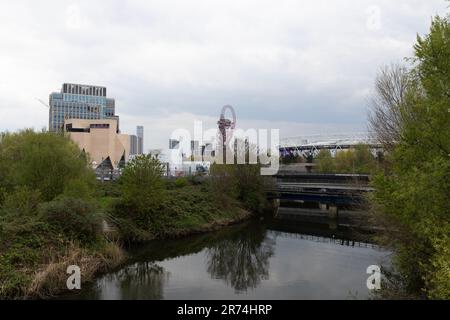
[(21, 202), (242, 182), (41, 161), (181, 182), (142, 184), (325, 162), (138, 212), (223, 183), (76, 219)]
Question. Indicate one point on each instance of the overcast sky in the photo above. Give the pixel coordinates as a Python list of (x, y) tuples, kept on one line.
[(302, 66)]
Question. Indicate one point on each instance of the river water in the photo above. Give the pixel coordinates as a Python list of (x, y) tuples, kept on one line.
[(254, 260)]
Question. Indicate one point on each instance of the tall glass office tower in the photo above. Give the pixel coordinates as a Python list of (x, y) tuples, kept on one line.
[(76, 101), (140, 139)]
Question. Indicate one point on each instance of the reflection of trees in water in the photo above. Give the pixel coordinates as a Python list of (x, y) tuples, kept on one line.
[(143, 280), (242, 260)]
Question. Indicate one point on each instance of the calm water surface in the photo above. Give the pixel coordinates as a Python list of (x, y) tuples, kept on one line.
[(256, 260)]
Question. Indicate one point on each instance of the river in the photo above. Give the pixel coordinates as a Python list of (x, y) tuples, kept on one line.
[(255, 260)]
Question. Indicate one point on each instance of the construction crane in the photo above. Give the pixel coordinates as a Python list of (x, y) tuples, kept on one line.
[(43, 103)]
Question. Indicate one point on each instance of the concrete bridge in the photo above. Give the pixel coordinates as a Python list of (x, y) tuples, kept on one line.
[(326, 194), (330, 189)]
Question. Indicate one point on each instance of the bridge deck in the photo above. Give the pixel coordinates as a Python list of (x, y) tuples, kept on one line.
[(287, 186)]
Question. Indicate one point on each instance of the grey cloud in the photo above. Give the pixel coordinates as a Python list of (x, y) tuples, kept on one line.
[(285, 61)]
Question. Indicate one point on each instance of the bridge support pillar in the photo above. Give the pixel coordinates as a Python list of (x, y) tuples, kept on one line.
[(333, 216), (333, 212), (276, 206)]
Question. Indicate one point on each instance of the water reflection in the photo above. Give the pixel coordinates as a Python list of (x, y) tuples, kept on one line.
[(144, 280), (242, 260), (258, 260)]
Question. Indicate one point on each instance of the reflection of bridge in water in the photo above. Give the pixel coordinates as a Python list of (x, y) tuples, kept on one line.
[(323, 239)]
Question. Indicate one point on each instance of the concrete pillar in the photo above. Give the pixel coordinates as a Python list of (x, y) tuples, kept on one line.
[(276, 206), (333, 217), (333, 212)]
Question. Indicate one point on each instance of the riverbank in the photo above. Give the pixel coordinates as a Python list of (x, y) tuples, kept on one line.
[(191, 209), (34, 255)]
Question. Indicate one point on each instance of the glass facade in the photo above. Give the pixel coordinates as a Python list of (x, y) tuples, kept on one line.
[(77, 101), (140, 139)]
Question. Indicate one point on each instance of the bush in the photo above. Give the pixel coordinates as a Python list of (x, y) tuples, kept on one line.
[(108, 189), (325, 162), (21, 202), (138, 212), (357, 160), (242, 182), (76, 219), (223, 184), (181, 182), (79, 188), (142, 184), (41, 161)]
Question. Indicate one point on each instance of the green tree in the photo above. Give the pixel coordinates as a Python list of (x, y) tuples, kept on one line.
[(139, 215), (142, 184), (242, 182), (364, 160), (325, 162), (42, 161), (413, 198)]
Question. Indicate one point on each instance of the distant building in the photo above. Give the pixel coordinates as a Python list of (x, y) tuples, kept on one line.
[(133, 144), (77, 101), (101, 140), (195, 149), (173, 144), (140, 139)]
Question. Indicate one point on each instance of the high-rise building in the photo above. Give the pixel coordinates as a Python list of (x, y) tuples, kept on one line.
[(76, 101), (140, 139), (133, 145)]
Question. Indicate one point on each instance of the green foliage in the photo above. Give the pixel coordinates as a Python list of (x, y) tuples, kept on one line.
[(141, 183), (251, 187), (193, 208), (181, 182), (290, 159), (414, 197), (43, 179), (357, 160), (325, 162), (21, 202), (41, 161), (143, 193), (79, 188), (223, 183), (242, 182), (75, 218), (110, 188)]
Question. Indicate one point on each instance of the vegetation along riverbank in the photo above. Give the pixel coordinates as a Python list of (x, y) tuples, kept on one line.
[(53, 212)]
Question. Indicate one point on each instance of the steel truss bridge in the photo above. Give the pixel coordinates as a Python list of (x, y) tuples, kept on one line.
[(312, 144)]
